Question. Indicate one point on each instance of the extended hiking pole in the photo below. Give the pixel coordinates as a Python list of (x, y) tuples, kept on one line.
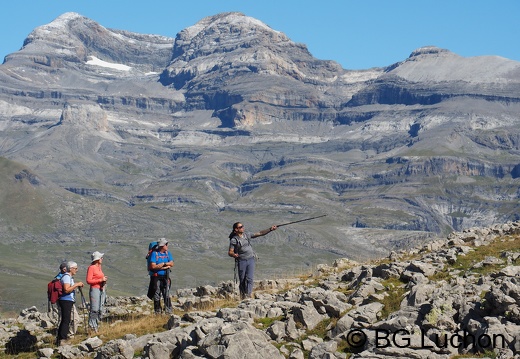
[(102, 307), (168, 299), (235, 280), (85, 309), (301, 220)]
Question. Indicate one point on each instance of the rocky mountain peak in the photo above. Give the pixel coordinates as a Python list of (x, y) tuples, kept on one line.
[(62, 33), (232, 43), (229, 31), (429, 51), (72, 39), (61, 23), (435, 65)]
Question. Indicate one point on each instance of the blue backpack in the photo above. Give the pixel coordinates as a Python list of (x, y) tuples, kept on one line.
[(153, 246)]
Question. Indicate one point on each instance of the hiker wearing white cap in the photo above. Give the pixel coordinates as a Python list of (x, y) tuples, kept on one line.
[(160, 262), (66, 301), (55, 309), (97, 280)]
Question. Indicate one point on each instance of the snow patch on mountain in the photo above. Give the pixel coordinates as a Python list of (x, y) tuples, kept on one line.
[(98, 62)]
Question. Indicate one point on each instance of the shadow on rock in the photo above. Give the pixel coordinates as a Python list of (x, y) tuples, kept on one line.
[(24, 341)]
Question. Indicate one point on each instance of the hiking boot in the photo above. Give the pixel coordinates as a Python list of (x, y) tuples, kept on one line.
[(157, 307), (63, 342)]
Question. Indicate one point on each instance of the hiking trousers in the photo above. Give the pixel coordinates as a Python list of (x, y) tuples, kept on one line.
[(66, 314), (246, 274), (162, 289), (97, 307)]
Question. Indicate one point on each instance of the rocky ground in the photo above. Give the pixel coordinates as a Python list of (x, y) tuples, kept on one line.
[(452, 297)]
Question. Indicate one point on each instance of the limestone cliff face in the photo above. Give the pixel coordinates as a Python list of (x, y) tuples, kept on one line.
[(241, 69), (72, 39)]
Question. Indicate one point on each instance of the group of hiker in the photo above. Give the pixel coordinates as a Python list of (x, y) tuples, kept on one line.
[(65, 305), (159, 263)]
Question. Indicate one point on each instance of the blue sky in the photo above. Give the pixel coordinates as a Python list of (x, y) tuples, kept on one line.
[(359, 34)]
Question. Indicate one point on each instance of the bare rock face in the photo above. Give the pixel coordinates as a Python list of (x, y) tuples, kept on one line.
[(72, 39), (218, 59), (144, 136)]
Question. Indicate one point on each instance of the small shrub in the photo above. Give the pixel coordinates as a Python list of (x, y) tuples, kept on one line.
[(395, 288), (263, 323)]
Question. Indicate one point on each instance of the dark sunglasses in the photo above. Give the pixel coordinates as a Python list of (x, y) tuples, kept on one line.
[(238, 227)]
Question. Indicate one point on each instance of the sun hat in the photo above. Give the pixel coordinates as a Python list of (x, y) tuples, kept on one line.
[(97, 256)]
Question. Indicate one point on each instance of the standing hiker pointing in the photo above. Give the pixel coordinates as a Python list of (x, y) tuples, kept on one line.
[(240, 248)]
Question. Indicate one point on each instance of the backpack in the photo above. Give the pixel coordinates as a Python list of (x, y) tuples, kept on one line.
[(54, 290), (153, 246)]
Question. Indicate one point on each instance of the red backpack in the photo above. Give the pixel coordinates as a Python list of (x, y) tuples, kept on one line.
[(54, 290)]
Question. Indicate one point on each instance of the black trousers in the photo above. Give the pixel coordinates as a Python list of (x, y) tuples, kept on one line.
[(66, 310), (160, 287)]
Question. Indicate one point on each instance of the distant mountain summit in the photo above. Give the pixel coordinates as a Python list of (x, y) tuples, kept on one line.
[(219, 58), (232, 44), (71, 41), (145, 136)]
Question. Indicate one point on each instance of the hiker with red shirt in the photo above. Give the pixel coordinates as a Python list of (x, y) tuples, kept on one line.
[(97, 280)]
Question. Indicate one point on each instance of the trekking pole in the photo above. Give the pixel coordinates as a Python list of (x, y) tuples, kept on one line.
[(301, 220), (235, 280), (85, 308), (168, 300), (103, 305)]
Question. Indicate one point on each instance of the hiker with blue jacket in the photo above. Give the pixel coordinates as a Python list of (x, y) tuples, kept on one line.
[(160, 263), (240, 248), (66, 301), (55, 309)]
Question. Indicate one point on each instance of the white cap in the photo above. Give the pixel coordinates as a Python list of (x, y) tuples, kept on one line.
[(162, 242)]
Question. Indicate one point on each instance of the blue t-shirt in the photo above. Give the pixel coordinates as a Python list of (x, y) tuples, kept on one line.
[(67, 278), (158, 258)]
